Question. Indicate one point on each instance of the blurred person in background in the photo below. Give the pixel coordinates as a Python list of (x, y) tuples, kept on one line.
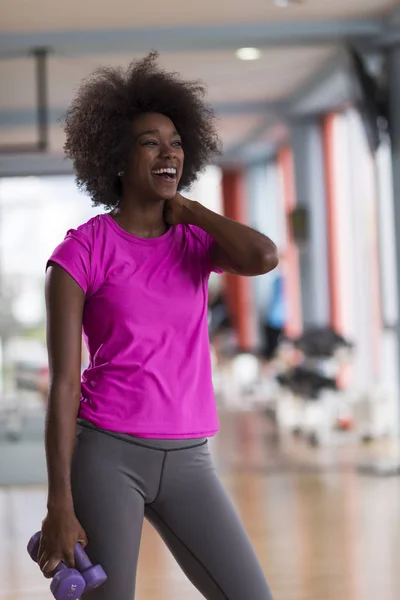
[(219, 323), (129, 439), (275, 317)]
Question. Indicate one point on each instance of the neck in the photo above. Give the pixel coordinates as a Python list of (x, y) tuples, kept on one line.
[(141, 218)]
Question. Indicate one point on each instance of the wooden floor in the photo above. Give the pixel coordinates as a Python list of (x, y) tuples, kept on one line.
[(321, 530)]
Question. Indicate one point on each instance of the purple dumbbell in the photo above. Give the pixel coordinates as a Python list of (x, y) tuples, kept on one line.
[(93, 575), (90, 577), (67, 584)]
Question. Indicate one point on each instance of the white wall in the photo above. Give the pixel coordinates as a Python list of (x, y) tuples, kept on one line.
[(366, 257)]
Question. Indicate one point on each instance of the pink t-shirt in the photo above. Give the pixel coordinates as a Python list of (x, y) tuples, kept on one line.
[(145, 326)]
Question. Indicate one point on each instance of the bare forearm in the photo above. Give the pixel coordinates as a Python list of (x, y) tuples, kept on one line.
[(60, 440), (247, 248)]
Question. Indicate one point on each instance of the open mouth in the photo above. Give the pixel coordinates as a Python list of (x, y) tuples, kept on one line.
[(167, 174)]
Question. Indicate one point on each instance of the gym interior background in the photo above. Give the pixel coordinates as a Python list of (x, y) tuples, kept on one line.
[(306, 359)]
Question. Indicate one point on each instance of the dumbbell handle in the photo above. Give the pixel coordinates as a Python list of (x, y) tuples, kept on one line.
[(60, 567), (82, 561)]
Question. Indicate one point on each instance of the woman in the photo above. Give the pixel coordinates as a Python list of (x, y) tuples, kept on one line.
[(130, 439)]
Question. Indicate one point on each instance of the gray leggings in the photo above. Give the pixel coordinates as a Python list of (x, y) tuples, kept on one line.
[(117, 482)]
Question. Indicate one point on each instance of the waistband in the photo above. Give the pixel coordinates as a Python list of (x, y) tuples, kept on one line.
[(154, 444)]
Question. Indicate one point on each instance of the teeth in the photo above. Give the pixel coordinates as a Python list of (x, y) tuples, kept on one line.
[(170, 171)]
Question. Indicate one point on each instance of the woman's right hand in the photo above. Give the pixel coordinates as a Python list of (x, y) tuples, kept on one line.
[(61, 531)]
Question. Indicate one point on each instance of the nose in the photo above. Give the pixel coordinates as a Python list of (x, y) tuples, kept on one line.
[(167, 151)]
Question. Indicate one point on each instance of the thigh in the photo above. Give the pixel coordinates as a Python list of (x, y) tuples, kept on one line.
[(110, 510), (201, 527)]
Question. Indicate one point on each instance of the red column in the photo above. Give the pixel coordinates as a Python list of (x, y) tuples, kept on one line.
[(238, 289)]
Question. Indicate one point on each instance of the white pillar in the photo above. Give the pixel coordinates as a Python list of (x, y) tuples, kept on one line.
[(310, 190)]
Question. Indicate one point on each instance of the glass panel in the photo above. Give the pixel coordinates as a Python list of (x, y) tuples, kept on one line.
[(35, 214)]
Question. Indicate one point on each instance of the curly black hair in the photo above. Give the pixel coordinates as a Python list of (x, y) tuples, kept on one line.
[(98, 124)]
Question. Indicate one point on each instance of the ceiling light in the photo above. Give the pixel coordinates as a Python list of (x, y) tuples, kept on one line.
[(248, 53), (287, 3)]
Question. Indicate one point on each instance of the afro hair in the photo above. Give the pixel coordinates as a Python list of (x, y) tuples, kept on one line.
[(98, 124)]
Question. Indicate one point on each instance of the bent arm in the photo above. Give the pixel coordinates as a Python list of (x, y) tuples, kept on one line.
[(238, 249), (64, 308)]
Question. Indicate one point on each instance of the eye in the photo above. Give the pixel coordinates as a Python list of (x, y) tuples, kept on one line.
[(177, 143), (150, 143)]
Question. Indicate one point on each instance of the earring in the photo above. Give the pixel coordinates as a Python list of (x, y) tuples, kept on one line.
[(120, 174)]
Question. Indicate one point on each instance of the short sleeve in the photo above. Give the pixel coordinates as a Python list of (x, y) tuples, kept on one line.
[(74, 256), (206, 242)]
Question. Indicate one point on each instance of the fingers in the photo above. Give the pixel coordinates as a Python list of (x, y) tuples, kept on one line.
[(58, 543), (49, 567), (43, 557), (49, 562), (83, 539), (69, 559)]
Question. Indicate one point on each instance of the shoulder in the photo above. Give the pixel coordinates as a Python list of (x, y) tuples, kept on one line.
[(196, 244), (197, 236), (78, 253), (88, 232), (91, 228), (82, 240)]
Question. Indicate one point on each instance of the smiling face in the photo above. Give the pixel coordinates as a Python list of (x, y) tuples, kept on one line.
[(156, 162)]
